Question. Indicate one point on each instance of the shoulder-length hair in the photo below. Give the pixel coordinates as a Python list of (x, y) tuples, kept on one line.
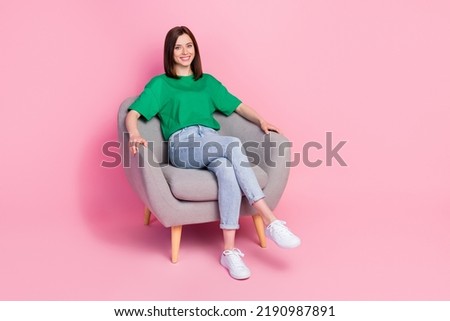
[(169, 46)]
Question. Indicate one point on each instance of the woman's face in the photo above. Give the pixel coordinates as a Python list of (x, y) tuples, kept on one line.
[(184, 51)]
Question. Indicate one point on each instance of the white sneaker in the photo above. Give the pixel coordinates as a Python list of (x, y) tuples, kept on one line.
[(278, 232), (232, 260)]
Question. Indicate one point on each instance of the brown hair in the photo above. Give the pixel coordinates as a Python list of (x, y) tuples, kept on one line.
[(169, 46)]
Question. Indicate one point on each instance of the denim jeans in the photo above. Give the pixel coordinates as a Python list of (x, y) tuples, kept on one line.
[(203, 147)]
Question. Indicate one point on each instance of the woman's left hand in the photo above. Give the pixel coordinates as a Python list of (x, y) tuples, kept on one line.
[(266, 127)]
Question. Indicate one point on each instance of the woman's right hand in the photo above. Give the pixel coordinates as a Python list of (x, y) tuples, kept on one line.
[(135, 138), (135, 141)]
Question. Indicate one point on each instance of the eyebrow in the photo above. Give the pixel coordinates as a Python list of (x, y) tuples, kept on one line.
[(179, 44)]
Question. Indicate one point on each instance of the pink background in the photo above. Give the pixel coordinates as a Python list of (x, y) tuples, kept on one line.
[(375, 73)]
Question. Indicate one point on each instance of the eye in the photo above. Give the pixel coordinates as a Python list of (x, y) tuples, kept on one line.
[(190, 46), (177, 47)]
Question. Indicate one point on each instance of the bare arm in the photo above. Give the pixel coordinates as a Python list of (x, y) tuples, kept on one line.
[(135, 136), (250, 114)]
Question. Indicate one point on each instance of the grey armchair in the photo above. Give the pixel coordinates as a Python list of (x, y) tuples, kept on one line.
[(179, 197)]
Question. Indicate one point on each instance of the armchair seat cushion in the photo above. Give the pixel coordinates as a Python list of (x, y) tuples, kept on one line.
[(199, 184)]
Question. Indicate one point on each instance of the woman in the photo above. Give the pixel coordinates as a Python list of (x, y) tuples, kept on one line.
[(184, 98)]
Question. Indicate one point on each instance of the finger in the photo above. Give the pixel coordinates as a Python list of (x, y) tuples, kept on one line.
[(141, 142), (276, 129)]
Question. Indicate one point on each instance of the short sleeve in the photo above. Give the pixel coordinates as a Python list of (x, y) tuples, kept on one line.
[(148, 103), (223, 100)]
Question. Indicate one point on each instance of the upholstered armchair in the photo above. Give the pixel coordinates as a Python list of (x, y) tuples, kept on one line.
[(178, 197)]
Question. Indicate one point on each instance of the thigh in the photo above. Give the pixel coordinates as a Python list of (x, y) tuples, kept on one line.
[(187, 148), (182, 147), (216, 145), (197, 146)]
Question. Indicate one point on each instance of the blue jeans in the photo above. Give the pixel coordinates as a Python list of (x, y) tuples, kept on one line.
[(199, 147)]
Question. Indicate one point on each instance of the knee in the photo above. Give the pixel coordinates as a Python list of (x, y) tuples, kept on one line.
[(235, 141), (234, 146), (223, 168)]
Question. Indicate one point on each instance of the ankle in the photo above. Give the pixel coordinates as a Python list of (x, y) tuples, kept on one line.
[(269, 220)]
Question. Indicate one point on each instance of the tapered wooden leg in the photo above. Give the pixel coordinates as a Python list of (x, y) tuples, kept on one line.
[(176, 238), (259, 225), (147, 216)]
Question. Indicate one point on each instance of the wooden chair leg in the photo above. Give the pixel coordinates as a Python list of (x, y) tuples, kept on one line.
[(147, 216), (176, 238), (259, 225)]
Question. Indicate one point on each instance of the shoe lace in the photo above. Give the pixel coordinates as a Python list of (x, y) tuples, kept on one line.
[(234, 256), (282, 229)]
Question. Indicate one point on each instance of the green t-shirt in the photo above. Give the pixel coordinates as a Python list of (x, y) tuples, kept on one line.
[(184, 102)]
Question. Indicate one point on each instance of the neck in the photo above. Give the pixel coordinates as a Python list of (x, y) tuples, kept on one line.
[(183, 71)]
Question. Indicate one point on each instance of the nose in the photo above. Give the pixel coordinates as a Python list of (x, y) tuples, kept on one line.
[(184, 50)]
